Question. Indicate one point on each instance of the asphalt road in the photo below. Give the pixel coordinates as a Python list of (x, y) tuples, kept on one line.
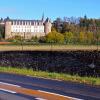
[(17, 87)]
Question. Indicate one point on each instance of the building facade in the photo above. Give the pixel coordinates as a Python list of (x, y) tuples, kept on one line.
[(26, 28)]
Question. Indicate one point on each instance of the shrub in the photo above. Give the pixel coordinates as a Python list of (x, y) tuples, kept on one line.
[(55, 37)]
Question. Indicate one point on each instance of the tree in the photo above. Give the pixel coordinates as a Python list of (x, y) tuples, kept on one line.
[(65, 27), (58, 24), (35, 39), (42, 39), (90, 37), (54, 37), (53, 29), (2, 31), (68, 37), (82, 37)]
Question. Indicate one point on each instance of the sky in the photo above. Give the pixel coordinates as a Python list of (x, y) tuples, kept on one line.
[(34, 9)]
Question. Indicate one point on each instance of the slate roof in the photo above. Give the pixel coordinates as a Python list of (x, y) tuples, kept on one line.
[(33, 22)]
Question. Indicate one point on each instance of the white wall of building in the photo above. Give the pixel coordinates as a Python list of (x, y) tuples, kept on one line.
[(28, 28)]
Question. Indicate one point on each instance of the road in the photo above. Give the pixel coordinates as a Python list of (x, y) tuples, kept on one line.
[(18, 87)]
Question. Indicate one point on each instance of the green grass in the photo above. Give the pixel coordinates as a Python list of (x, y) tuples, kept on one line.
[(58, 76)]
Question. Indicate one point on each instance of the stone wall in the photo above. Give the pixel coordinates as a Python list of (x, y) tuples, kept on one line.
[(28, 35)]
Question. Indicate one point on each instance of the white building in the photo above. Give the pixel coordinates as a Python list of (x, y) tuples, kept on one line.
[(26, 28)]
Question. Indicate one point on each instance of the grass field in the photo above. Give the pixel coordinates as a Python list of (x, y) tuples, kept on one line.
[(47, 47), (58, 76)]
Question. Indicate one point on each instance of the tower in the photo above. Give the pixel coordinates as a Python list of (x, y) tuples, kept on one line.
[(47, 26), (7, 28), (43, 17)]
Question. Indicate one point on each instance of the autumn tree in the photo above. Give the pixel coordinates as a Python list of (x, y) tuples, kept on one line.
[(54, 37), (82, 37), (69, 37), (90, 37)]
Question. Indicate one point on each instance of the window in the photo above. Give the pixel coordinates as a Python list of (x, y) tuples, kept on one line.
[(30, 22)]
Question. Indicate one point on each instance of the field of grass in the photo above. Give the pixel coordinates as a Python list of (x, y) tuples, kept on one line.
[(58, 76), (47, 47)]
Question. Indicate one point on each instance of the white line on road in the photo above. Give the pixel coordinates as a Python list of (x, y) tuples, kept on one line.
[(40, 99), (60, 95), (7, 90), (9, 84)]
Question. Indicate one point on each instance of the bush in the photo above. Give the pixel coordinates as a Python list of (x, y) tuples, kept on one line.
[(55, 37), (35, 39), (68, 37), (42, 39), (15, 39)]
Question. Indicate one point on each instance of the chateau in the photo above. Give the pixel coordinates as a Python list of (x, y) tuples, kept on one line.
[(26, 28)]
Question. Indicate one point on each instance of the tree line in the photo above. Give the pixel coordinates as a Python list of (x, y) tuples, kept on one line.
[(82, 31)]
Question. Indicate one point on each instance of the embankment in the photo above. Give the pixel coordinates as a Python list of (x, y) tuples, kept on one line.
[(83, 63)]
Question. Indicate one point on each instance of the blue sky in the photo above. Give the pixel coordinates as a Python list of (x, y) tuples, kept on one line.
[(33, 9)]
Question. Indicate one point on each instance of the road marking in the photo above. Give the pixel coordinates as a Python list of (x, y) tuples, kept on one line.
[(41, 94), (9, 84), (40, 99), (60, 95), (7, 90)]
